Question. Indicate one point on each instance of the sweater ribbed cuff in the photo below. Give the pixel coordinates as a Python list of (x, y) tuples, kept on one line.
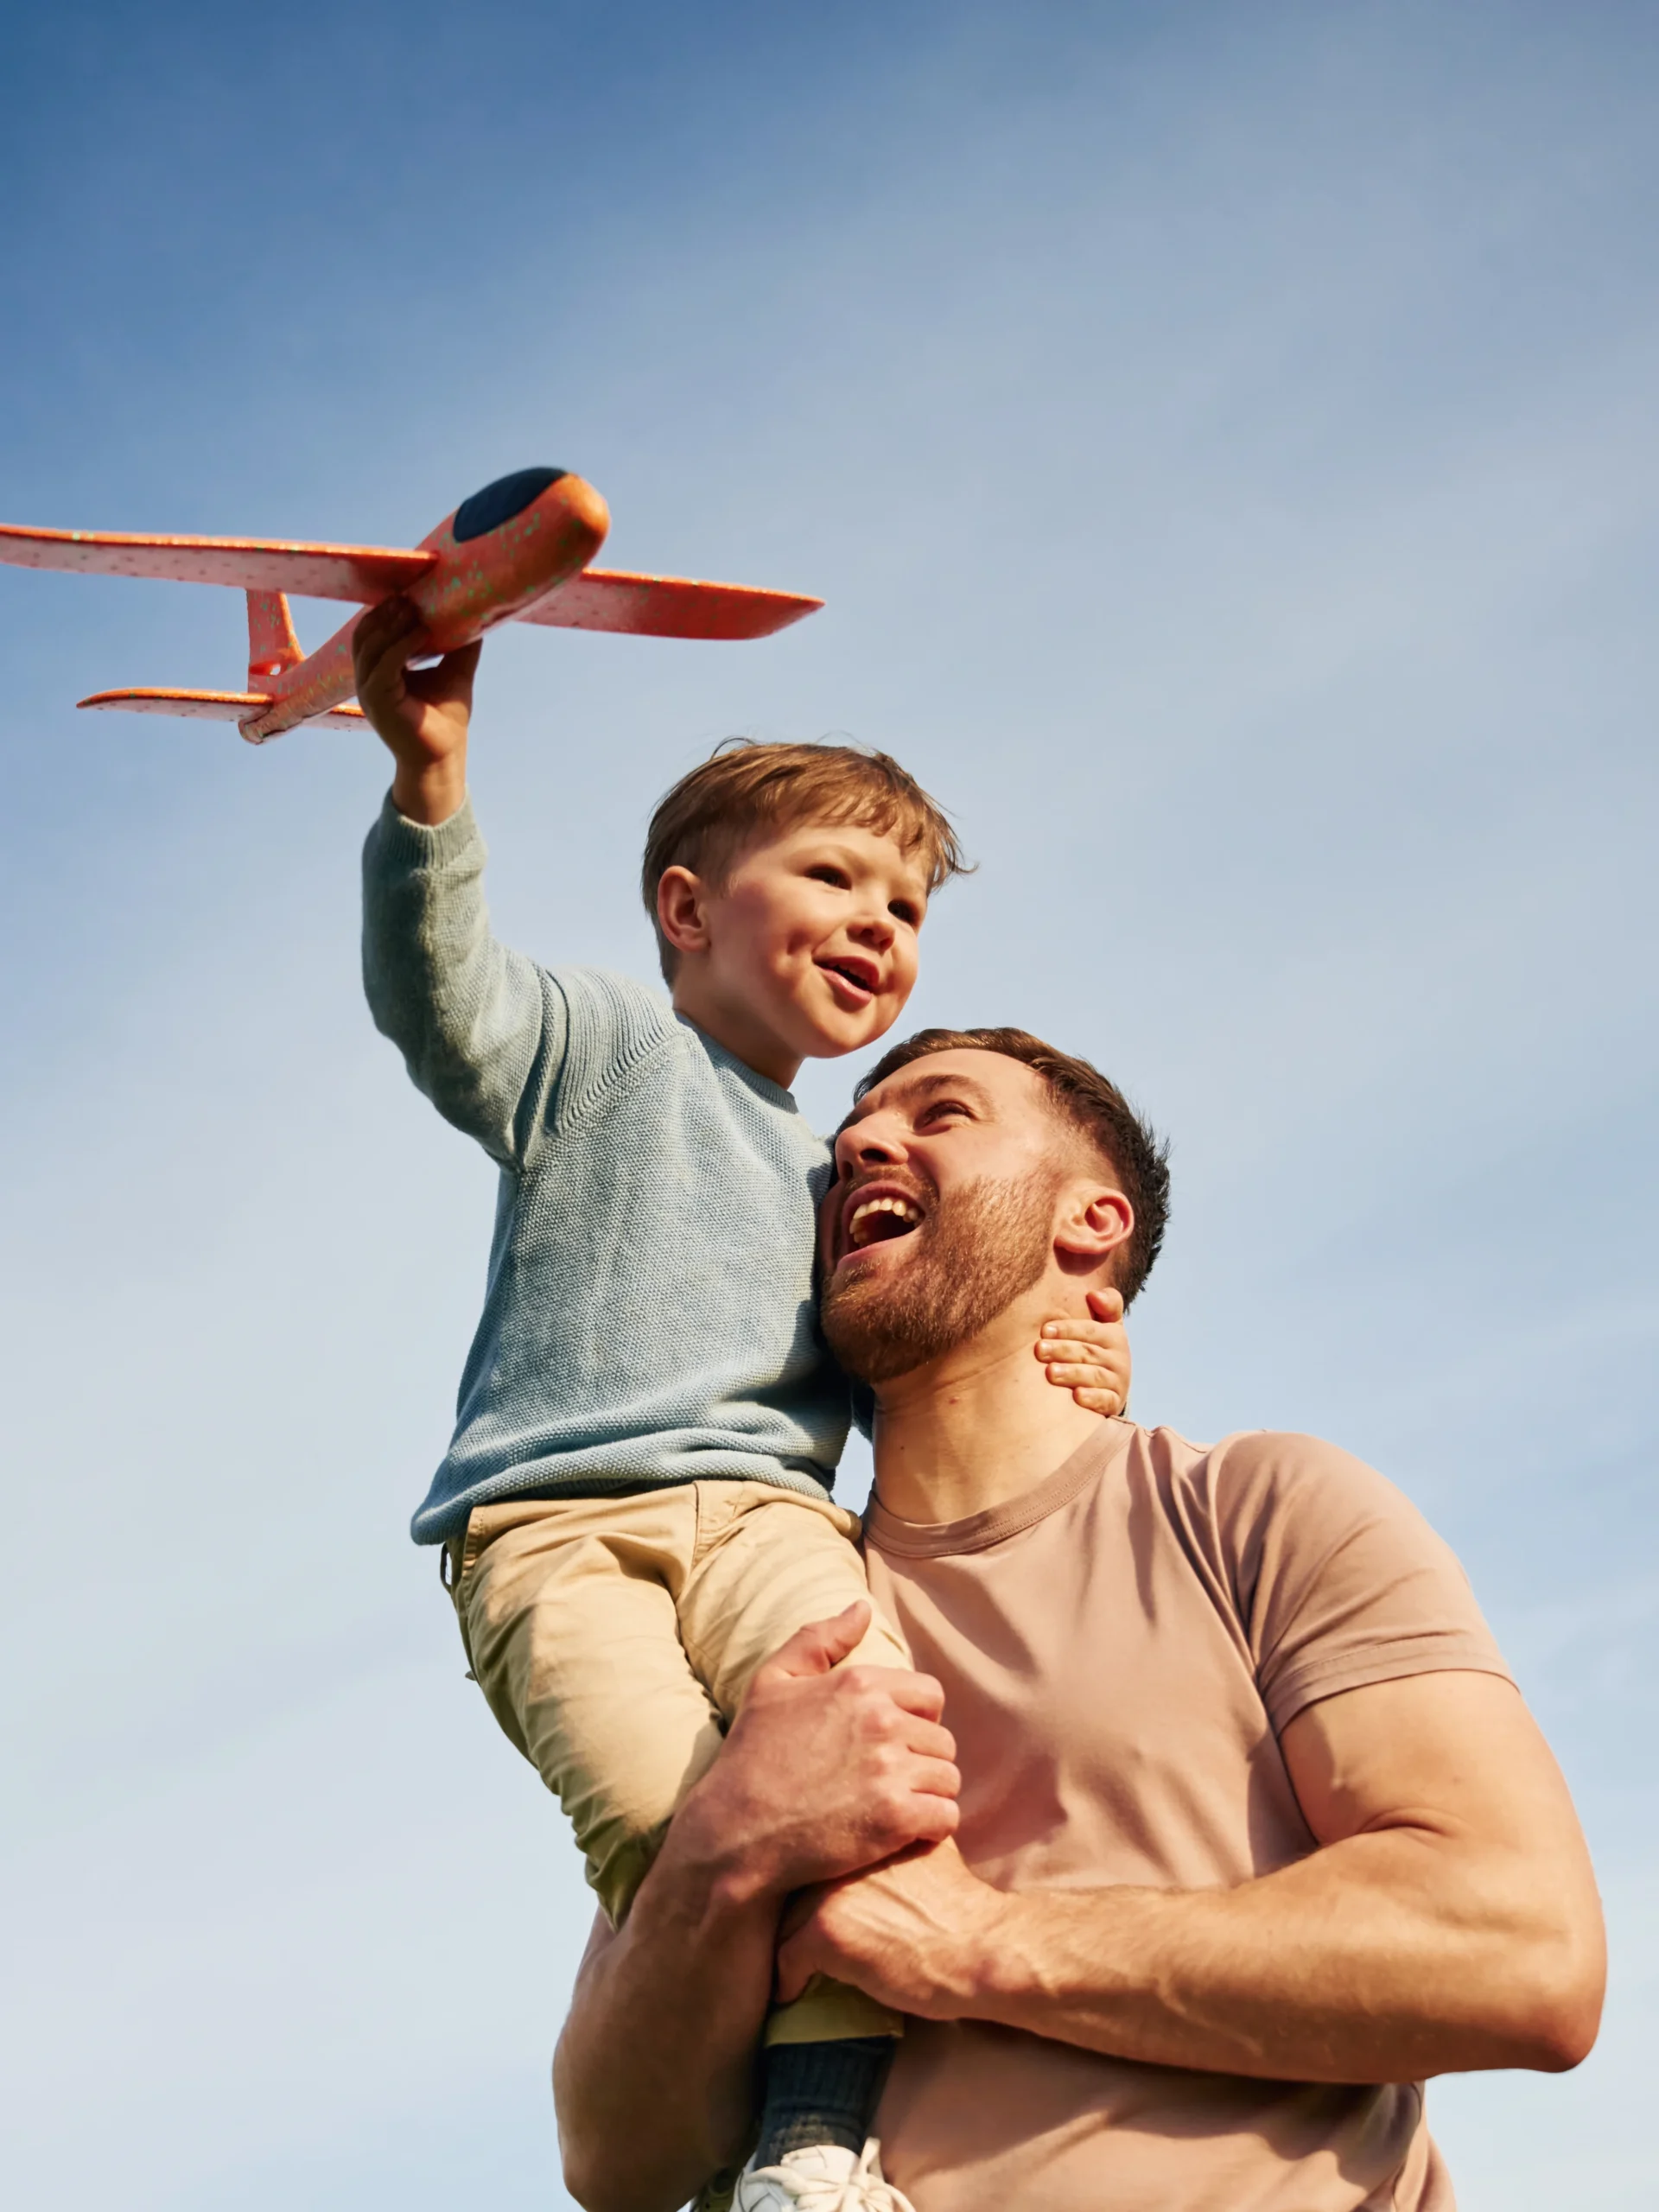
[(418, 844)]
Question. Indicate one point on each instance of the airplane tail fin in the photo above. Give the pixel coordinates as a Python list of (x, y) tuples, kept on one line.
[(272, 649), (272, 645)]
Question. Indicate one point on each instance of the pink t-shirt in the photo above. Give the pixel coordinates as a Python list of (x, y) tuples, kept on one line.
[(1119, 1648)]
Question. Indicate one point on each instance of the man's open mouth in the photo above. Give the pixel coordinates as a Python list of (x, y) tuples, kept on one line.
[(878, 1220)]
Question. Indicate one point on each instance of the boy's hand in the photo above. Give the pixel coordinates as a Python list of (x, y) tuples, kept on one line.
[(423, 716), (1091, 1358)]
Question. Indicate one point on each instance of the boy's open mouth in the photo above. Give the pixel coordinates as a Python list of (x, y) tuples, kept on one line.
[(863, 976)]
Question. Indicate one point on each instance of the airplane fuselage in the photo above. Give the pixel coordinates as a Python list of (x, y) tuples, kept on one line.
[(497, 554)]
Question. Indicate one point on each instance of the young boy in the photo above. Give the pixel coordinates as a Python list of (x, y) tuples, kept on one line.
[(635, 1507)]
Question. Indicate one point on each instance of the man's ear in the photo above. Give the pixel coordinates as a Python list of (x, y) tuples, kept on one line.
[(1093, 1221), (682, 916)]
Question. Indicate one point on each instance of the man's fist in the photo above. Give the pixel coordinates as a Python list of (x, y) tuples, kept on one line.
[(827, 1767), (913, 1934)]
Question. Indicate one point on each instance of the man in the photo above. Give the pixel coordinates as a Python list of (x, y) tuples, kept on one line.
[(1256, 1833)]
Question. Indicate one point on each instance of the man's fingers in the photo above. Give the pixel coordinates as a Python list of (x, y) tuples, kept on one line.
[(799, 1910), (1109, 1402), (821, 1645), (921, 1696), (935, 1778), (929, 1741), (1106, 1305), (1082, 1375), (937, 1818), (795, 1968)]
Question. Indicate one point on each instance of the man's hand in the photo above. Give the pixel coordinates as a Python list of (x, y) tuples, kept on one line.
[(827, 1768), (1091, 1358), (422, 716), (909, 1934)]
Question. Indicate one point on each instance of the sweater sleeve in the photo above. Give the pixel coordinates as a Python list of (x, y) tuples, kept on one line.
[(481, 1030)]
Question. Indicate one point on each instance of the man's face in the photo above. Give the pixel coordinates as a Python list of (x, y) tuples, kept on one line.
[(943, 1209)]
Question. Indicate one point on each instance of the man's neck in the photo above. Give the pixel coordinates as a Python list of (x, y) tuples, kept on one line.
[(977, 1428)]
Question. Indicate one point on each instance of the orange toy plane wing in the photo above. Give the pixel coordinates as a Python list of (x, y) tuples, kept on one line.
[(215, 707), (598, 599), (361, 573), (516, 551), (666, 606)]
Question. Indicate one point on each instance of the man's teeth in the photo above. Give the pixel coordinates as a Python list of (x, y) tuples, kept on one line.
[(863, 1226)]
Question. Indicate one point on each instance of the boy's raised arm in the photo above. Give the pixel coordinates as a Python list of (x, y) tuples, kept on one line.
[(470, 1017)]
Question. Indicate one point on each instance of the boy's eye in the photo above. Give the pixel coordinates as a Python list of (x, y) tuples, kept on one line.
[(827, 873), (904, 909)]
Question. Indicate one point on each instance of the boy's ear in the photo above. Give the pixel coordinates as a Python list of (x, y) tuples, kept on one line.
[(1093, 1221), (680, 910)]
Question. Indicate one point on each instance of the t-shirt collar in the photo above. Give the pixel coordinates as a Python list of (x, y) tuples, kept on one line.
[(976, 1532)]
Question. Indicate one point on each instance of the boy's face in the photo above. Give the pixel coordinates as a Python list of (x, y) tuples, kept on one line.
[(808, 950)]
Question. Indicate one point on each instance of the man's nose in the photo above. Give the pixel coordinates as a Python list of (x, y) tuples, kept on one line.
[(870, 1143)]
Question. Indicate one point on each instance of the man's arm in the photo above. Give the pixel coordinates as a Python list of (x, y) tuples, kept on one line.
[(821, 1774), (1448, 1922)]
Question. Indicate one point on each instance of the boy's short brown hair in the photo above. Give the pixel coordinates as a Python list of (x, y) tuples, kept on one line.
[(746, 787)]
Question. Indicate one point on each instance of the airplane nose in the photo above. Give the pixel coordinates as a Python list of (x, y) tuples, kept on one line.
[(500, 502)]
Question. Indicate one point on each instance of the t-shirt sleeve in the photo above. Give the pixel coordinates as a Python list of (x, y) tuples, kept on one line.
[(1338, 1579)]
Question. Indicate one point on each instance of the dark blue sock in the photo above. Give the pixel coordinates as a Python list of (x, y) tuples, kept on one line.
[(822, 2093)]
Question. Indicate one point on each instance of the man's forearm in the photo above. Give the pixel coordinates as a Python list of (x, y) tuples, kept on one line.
[(664, 2021), (1386, 1957), (1447, 1921), (1332, 1970)]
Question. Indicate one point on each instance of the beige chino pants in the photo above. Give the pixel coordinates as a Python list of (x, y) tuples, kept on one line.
[(615, 1638)]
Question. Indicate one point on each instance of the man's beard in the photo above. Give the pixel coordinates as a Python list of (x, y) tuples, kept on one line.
[(966, 1263)]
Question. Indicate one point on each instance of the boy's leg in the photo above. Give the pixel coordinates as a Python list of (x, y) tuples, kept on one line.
[(568, 1613), (768, 1562)]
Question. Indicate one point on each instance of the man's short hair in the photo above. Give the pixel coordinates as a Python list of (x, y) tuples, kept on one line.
[(1089, 1104), (746, 788)]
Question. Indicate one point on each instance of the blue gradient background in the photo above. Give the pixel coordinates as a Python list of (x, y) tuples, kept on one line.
[(1225, 439)]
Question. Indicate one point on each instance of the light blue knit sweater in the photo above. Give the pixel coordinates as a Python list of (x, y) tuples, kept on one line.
[(649, 1316)]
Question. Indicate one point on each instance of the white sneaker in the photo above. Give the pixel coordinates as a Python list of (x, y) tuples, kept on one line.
[(822, 2177)]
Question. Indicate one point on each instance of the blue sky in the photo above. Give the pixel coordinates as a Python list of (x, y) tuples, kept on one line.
[(1224, 440)]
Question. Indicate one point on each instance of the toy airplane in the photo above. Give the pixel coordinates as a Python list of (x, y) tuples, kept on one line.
[(518, 551)]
